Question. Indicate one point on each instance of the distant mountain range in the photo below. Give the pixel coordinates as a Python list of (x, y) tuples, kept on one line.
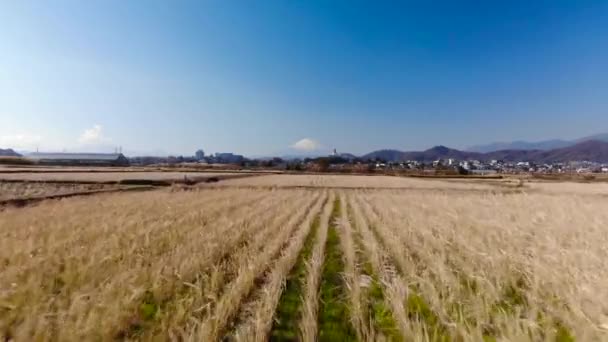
[(539, 145), (9, 153), (588, 150)]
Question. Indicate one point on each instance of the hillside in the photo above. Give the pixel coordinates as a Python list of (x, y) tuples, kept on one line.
[(437, 152), (592, 150), (601, 137), (545, 145), (521, 145), (9, 153)]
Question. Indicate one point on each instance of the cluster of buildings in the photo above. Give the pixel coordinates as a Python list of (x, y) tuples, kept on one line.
[(76, 159), (118, 159), (199, 157), (498, 166)]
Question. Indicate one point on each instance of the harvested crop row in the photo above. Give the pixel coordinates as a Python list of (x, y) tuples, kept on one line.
[(289, 309), (200, 286), (352, 276), (368, 299), (393, 286), (422, 313), (259, 312), (253, 264)]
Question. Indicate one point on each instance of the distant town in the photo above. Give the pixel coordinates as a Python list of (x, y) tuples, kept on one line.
[(585, 157)]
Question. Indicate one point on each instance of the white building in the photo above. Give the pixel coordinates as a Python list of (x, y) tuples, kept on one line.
[(465, 165)]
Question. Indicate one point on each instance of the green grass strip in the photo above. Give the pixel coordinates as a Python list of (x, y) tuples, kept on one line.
[(334, 324), (289, 309), (419, 310)]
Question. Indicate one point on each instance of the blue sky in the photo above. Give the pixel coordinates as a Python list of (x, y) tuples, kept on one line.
[(257, 77)]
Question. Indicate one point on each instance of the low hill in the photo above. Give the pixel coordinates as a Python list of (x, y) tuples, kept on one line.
[(348, 156), (9, 153), (388, 155), (440, 152)]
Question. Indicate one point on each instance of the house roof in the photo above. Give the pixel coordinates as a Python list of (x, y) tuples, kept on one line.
[(75, 156)]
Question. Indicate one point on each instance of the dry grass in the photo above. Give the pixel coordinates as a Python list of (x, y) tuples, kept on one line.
[(112, 176), (252, 263), (558, 188), (383, 269), (28, 190), (498, 266), (78, 272), (353, 181), (402, 263), (258, 314), (310, 297)]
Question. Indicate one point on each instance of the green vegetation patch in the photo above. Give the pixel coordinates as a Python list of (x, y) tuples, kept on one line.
[(513, 296), (334, 324), (148, 308), (381, 316), (289, 309), (514, 300), (419, 310), (146, 313), (561, 332)]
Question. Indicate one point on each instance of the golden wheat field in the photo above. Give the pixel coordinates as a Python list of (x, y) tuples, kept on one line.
[(348, 259)]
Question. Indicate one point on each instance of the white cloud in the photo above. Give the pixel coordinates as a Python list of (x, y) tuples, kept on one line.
[(306, 144), (93, 135), (20, 141)]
